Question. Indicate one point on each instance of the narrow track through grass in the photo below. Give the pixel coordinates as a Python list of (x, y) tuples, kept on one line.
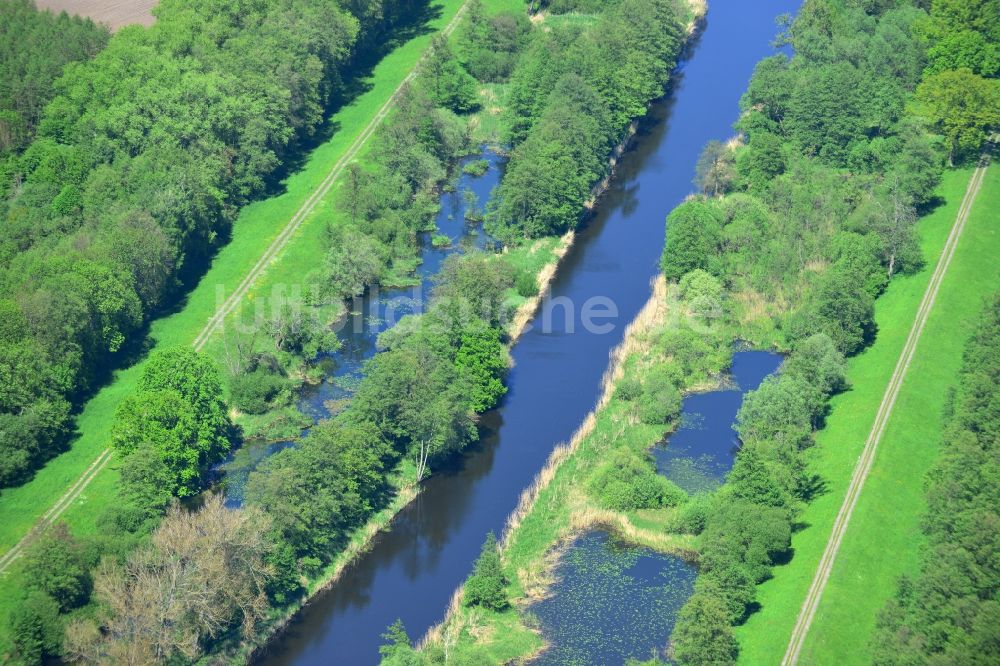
[(885, 411), (883, 538)]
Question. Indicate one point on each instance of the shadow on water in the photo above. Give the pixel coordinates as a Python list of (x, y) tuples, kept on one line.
[(411, 571)]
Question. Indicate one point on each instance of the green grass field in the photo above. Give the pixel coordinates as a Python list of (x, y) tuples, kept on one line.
[(884, 537)]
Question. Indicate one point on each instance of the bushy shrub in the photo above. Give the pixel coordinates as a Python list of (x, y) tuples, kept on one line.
[(54, 564), (627, 482), (628, 388), (526, 284), (486, 585), (702, 293), (659, 405), (694, 236), (254, 392), (693, 515), (693, 354), (36, 629), (476, 167)]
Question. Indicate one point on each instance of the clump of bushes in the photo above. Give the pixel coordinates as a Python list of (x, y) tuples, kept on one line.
[(628, 482), (628, 388), (526, 284), (748, 523), (485, 586), (660, 401), (476, 168), (259, 390)]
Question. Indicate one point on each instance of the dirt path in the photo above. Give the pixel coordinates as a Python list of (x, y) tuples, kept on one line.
[(864, 464), (227, 307)]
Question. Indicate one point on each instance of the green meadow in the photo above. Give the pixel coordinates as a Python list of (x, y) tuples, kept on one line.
[(883, 540)]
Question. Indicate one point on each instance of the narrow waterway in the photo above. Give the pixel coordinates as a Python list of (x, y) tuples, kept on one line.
[(412, 570), (699, 454)]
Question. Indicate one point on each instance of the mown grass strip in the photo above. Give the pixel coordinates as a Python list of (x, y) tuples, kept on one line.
[(884, 538), (764, 637)]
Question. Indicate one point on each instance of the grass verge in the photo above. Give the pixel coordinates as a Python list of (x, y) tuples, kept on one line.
[(884, 537)]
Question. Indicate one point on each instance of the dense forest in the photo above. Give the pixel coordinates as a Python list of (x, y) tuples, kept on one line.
[(572, 99), (140, 162), (34, 411), (29, 67), (948, 613)]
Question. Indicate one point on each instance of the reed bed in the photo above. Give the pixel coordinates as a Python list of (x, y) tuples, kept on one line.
[(651, 314)]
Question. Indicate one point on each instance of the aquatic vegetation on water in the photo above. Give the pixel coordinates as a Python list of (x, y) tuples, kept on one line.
[(612, 601)]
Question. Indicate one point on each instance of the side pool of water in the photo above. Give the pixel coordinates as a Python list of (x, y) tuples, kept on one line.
[(613, 601), (375, 312), (698, 455)]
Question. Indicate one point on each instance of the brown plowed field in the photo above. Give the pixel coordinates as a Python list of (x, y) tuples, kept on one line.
[(114, 13)]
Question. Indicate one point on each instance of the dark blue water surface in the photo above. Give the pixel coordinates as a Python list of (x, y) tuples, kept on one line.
[(412, 570), (698, 455), (376, 311)]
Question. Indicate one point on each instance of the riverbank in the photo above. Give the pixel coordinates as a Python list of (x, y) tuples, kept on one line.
[(405, 489), (541, 257), (560, 504)]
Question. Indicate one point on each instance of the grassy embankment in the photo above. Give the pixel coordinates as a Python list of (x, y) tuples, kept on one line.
[(258, 224), (884, 537)]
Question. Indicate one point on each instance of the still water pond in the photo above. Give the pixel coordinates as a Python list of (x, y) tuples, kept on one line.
[(612, 602), (698, 455)]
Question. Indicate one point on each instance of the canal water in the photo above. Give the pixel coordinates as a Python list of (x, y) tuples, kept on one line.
[(376, 311), (412, 570), (613, 601)]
